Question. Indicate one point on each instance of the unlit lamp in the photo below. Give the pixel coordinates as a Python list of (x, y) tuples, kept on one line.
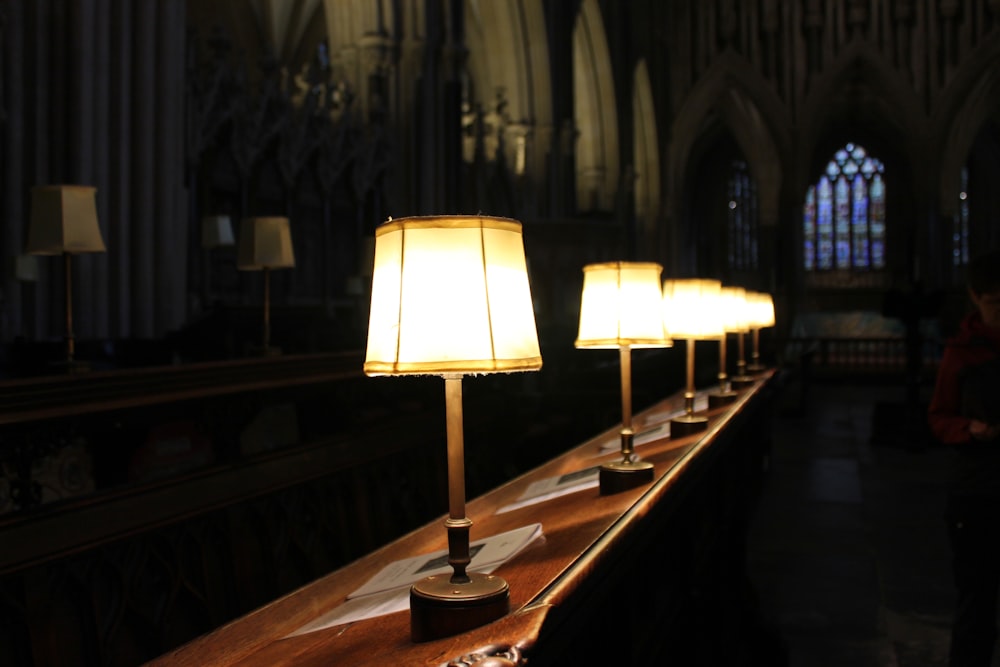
[(64, 222), (450, 296), (691, 311), (760, 315), (216, 232), (265, 244), (620, 308)]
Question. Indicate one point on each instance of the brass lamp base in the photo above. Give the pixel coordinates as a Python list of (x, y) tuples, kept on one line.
[(741, 381), (623, 475), (756, 368), (718, 399), (686, 425), (439, 608)]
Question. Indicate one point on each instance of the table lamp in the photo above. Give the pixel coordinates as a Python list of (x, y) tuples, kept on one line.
[(265, 244), (731, 306), (450, 296), (620, 308), (691, 311), (760, 314), (64, 221)]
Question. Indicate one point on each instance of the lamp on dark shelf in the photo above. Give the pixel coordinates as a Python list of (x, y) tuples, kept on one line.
[(450, 297), (620, 308), (265, 244), (64, 222), (690, 311), (760, 315), (731, 307)]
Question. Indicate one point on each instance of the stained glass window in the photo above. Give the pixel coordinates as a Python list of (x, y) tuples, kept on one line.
[(742, 218), (843, 218)]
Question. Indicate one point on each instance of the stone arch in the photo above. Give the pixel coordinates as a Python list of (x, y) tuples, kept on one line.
[(595, 112), (731, 96), (645, 151), (733, 93), (508, 58)]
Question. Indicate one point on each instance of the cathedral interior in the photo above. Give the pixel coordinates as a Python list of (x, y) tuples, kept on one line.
[(839, 155)]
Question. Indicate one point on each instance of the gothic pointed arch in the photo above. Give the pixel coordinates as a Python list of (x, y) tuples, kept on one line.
[(595, 112), (646, 147), (859, 92), (734, 94)]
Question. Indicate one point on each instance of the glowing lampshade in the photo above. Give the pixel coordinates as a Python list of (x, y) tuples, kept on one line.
[(620, 306), (692, 308), (760, 310), (450, 294), (734, 309)]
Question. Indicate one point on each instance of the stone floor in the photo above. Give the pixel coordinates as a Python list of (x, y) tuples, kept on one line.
[(848, 551)]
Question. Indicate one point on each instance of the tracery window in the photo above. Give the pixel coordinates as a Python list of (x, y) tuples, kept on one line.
[(843, 218), (742, 218)]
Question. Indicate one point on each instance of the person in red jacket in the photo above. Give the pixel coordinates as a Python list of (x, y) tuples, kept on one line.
[(964, 412)]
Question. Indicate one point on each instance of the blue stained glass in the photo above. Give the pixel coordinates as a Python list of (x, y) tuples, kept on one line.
[(844, 214), (859, 221), (824, 224), (843, 224)]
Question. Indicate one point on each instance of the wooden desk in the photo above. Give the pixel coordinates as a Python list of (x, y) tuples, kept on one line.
[(617, 579)]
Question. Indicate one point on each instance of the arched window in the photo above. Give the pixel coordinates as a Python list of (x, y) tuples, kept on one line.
[(742, 218), (843, 218)]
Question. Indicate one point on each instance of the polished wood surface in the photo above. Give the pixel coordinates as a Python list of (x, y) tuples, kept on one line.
[(588, 538)]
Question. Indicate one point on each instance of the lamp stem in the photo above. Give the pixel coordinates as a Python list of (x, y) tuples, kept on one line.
[(70, 344), (689, 390), (756, 347), (457, 523), (722, 364), (625, 354), (741, 364), (267, 309)]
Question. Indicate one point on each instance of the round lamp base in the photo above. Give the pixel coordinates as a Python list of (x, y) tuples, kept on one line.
[(741, 381), (623, 475), (721, 398), (686, 425), (439, 608)]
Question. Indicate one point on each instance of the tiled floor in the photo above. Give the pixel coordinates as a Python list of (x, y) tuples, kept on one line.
[(848, 551)]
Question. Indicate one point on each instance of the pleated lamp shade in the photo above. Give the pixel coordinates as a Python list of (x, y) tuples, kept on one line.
[(734, 309), (450, 294), (760, 310), (64, 220), (265, 243), (692, 308), (620, 306)]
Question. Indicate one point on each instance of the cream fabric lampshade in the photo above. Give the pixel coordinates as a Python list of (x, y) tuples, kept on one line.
[(64, 220), (620, 306), (450, 294), (734, 309), (692, 308), (760, 310), (265, 243)]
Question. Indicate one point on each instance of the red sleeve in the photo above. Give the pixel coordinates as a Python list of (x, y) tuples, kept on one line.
[(946, 423)]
